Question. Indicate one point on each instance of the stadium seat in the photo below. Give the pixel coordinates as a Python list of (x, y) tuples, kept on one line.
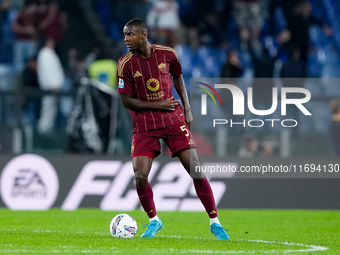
[(103, 9), (196, 73), (115, 33), (203, 52), (318, 37), (210, 68), (220, 56), (185, 56), (314, 67)]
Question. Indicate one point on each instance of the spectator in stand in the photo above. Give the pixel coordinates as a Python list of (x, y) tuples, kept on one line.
[(293, 74), (263, 62), (31, 105), (294, 67), (299, 24), (52, 24), (196, 17), (249, 146), (287, 8), (210, 30), (233, 67), (25, 29), (206, 24), (335, 125), (5, 5), (8, 13), (264, 68), (267, 149), (51, 78), (163, 21), (42, 6), (249, 19)]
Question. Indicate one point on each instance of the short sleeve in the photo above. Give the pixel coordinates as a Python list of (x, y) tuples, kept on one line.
[(175, 66), (124, 79)]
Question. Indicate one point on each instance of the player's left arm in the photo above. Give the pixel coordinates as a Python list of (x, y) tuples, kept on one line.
[(182, 92)]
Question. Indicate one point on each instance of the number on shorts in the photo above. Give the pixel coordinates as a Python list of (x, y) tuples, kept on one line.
[(184, 128)]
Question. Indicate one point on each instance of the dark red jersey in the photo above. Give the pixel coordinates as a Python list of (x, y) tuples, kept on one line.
[(149, 79)]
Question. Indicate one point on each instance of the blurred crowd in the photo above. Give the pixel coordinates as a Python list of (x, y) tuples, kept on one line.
[(271, 28), (36, 27), (215, 38), (32, 23)]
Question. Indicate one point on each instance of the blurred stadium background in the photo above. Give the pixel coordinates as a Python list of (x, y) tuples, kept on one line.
[(238, 40), (211, 42)]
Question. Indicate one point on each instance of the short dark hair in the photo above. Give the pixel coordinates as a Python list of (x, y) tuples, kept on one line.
[(334, 105), (138, 23)]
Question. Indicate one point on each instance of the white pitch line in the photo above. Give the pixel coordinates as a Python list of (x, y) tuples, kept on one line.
[(310, 248)]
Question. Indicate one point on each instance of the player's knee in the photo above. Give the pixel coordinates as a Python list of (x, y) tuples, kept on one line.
[(141, 179)]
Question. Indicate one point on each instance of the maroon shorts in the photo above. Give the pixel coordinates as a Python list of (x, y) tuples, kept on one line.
[(177, 138)]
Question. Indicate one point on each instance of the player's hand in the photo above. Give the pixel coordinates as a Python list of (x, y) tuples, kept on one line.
[(168, 104)]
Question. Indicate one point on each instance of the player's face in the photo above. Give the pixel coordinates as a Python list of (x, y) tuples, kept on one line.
[(134, 37)]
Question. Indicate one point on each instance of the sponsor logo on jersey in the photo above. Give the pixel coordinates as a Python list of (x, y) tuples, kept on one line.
[(137, 74), (155, 95), (121, 83), (152, 84)]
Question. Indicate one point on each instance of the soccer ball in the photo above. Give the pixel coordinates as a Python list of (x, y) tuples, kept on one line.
[(123, 226)]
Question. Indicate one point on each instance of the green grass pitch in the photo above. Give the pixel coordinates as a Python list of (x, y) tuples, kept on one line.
[(86, 231)]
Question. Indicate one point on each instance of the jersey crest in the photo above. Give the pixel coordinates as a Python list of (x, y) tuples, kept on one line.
[(162, 67)]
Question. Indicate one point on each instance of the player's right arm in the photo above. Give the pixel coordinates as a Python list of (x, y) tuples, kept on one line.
[(136, 104)]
